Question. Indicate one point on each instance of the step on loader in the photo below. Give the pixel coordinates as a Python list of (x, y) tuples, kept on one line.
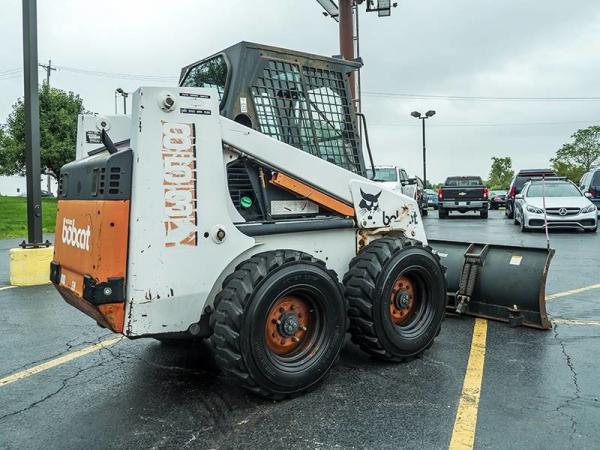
[(235, 207)]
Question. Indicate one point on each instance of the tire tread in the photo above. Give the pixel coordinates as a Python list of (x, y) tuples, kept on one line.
[(360, 285)]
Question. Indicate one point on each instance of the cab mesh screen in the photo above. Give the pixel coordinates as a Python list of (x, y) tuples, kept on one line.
[(308, 109)]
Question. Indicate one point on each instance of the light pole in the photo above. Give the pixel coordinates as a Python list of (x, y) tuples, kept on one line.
[(417, 115), (125, 95), (32, 125)]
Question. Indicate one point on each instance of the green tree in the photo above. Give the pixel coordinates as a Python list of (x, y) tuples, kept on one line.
[(575, 158), (501, 173), (58, 132)]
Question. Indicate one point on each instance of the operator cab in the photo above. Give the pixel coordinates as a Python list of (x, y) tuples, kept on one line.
[(298, 98)]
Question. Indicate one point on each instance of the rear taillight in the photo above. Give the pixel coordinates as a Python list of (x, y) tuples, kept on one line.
[(513, 192), (440, 193), (485, 193)]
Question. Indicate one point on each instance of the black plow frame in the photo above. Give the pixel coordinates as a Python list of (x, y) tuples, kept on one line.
[(498, 282)]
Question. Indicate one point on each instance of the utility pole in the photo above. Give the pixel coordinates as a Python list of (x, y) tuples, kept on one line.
[(48, 68), (346, 31), (32, 125), (342, 12)]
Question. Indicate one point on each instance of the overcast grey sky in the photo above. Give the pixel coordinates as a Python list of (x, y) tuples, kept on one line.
[(485, 48)]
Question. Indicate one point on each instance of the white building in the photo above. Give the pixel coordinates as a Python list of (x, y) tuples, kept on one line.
[(16, 186)]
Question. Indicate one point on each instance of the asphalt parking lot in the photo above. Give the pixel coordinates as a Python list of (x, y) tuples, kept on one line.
[(538, 390)]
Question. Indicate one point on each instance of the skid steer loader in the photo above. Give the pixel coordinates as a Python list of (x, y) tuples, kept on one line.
[(235, 207)]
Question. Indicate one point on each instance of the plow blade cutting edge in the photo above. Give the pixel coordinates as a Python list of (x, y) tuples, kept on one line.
[(498, 282)]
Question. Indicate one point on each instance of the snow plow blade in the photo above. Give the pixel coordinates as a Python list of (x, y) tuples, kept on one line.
[(498, 282)]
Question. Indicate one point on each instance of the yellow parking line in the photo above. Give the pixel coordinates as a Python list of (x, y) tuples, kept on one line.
[(3, 288), (572, 292), (58, 361), (463, 433)]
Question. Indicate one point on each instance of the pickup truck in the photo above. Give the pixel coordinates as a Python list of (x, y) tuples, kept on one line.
[(396, 179), (463, 194)]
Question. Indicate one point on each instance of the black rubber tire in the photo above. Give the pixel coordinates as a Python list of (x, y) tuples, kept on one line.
[(368, 285), (241, 311), (593, 230), (442, 213), (484, 214), (424, 212), (509, 212)]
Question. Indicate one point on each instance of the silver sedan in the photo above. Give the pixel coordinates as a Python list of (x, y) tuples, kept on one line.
[(557, 202)]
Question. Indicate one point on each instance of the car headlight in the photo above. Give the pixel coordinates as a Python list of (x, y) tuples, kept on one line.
[(533, 209), (589, 209)]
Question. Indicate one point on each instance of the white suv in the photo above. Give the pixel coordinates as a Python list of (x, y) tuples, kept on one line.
[(566, 206)]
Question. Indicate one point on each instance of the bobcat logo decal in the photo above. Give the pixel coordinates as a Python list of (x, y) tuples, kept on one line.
[(369, 203)]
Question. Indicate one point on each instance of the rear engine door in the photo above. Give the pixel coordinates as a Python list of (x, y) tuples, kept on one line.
[(92, 228)]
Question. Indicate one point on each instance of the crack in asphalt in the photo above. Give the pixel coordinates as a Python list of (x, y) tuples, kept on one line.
[(70, 347), (217, 406), (577, 394), (64, 384)]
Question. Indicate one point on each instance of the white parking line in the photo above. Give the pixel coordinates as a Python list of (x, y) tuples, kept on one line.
[(572, 292), (3, 288), (595, 323)]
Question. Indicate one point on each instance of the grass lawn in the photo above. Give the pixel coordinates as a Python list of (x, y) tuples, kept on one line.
[(13, 216)]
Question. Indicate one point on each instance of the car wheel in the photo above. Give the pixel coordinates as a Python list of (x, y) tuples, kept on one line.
[(484, 214), (509, 212), (524, 228), (443, 213), (424, 212)]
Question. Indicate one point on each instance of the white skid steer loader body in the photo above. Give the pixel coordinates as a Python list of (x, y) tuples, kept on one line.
[(89, 131), (183, 239)]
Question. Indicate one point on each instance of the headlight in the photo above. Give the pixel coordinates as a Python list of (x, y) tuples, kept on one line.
[(533, 209), (589, 209)]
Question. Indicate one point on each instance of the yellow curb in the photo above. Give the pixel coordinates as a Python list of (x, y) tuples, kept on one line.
[(30, 266)]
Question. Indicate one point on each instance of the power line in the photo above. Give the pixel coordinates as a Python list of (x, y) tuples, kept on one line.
[(514, 124), (10, 74), (123, 76), (478, 98), (9, 71)]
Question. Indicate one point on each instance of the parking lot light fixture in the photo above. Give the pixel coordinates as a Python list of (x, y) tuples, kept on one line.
[(418, 115), (124, 95)]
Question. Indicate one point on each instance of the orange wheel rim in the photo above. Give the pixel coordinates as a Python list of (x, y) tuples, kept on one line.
[(402, 300), (288, 325)]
